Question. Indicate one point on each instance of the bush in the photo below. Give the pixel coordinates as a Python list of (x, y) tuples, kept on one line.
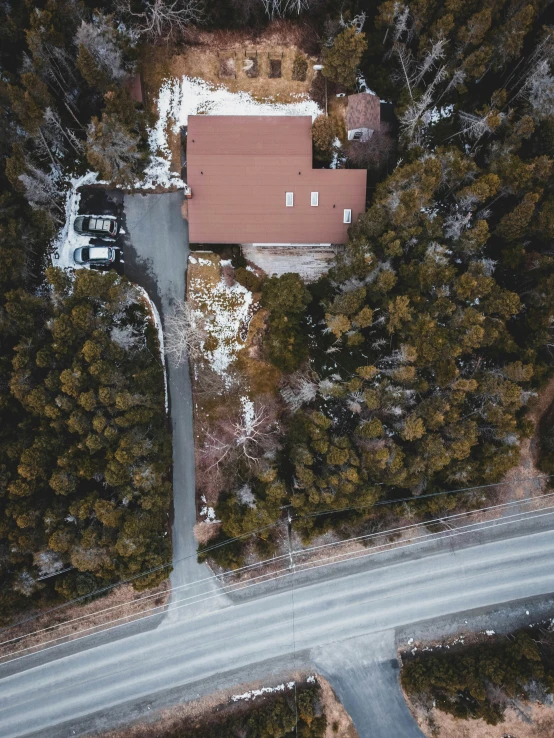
[(248, 279), (299, 68), (478, 681), (323, 135)]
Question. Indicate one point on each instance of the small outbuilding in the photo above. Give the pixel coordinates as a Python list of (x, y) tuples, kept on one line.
[(363, 116)]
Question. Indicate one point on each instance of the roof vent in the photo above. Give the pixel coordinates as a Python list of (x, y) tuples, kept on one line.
[(315, 199), (347, 216), (289, 199)]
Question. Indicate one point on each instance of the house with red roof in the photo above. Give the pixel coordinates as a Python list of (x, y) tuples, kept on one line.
[(252, 181)]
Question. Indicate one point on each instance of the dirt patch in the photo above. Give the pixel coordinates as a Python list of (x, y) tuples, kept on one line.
[(339, 723), (275, 66), (69, 622)]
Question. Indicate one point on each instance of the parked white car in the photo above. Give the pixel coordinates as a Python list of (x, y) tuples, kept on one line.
[(95, 255)]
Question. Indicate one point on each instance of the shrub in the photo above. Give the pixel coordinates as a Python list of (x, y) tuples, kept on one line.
[(299, 68), (248, 279), (323, 135)]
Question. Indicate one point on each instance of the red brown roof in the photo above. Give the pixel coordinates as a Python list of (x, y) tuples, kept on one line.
[(239, 169), (363, 111)]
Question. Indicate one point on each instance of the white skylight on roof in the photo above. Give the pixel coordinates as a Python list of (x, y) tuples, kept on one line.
[(347, 216), (315, 199), (289, 199)]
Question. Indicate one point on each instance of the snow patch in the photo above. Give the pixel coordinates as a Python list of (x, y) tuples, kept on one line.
[(158, 326), (362, 85), (227, 312), (253, 693), (179, 98), (68, 239)]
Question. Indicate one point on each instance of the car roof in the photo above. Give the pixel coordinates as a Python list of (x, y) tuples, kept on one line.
[(98, 252), (100, 224)]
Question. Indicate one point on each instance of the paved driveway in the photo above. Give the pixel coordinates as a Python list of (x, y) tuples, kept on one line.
[(364, 673), (156, 255)]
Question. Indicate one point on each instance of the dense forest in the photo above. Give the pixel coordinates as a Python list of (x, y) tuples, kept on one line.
[(84, 450), (410, 368), (84, 447), (483, 679)]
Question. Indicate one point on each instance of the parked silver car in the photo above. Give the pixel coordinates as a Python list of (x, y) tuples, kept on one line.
[(95, 255), (97, 225)]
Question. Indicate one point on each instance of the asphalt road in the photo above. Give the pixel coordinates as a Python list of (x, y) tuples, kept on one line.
[(239, 637), (156, 256)]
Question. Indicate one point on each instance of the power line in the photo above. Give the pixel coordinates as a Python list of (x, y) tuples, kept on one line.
[(415, 498), (278, 575), (255, 531), (291, 554)]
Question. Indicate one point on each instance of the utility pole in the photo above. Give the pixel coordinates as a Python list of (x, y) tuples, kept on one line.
[(289, 536)]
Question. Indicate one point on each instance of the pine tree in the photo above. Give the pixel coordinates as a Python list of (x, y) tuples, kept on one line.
[(340, 62)]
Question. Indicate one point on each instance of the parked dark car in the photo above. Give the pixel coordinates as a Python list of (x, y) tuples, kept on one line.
[(95, 255), (97, 225)]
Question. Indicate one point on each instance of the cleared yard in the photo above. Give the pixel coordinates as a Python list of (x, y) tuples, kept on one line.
[(263, 65), (309, 261)]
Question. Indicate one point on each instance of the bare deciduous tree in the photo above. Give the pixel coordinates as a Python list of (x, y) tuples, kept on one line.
[(539, 90), (162, 19), (357, 22), (42, 191), (279, 8), (113, 149), (248, 436), (301, 389), (99, 39), (184, 334), (476, 126)]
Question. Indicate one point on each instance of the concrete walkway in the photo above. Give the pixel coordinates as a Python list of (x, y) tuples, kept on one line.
[(156, 257)]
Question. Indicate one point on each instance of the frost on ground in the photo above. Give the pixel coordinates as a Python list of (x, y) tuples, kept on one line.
[(226, 312), (207, 512)]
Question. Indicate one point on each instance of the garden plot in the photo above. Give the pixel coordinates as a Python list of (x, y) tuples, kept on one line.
[(250, 66), (275, 68), (227, 67)]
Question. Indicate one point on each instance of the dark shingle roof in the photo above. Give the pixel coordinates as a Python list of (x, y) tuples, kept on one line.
[(364, 111)]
